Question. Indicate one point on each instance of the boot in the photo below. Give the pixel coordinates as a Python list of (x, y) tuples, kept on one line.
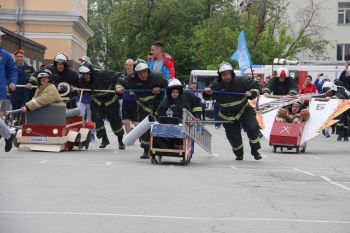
[(104, 142), (256, 154), (121, 144), (8, 143), (339, 138), (145, 154), (239, 157)]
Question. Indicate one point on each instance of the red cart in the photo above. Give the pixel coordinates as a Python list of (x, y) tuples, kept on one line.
[(287, 135)]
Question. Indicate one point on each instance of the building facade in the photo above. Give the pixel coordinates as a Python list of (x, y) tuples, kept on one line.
[(58, 25), (334, 17), (332, 20), (34, 52)]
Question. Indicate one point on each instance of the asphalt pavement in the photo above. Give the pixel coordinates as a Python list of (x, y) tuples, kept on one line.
[(107, 190)]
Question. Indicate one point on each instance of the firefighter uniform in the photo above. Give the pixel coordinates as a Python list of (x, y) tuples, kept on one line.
[(278, 87), (185, 100), (67, 75), (236, 109), (104, 106), (147, 102), (333, 91)]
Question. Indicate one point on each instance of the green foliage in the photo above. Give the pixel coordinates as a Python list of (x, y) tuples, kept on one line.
[(199, 34)]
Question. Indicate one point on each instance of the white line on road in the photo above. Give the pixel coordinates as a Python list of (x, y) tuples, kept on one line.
[(316, 157), (335, 183), (108, 163), (176, 217), (265, 156), (233, 167), (305, 172), (215, 154), (44, 161)]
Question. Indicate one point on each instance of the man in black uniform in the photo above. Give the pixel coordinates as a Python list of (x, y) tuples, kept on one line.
[(104, 105), (176, 100), (282, 84), (332, 91), (61, 73), (236, 108), (147, 86)]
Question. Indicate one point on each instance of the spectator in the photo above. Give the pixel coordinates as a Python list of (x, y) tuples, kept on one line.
[(345, 76), (8, 74), (129, 106), (20, 96), (308, 86), (161, 62), (320, 79)]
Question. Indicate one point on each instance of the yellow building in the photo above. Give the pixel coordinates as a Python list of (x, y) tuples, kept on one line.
[(58, 25)]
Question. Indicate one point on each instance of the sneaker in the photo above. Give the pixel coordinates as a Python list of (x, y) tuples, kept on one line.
[(8, 143), (339, 138), (327, 135), (217, 127)]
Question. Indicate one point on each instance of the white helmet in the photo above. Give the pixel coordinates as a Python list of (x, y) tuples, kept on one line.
[(141, 66), (61, 57), (282, 72), (84, 69), (329, 86), (84, 59), (174, 82), (225, 66)]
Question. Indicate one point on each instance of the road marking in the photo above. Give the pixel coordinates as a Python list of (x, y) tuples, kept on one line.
[(265, 156), (316, 157), (44, 161), (305, 172), (335, 183), (108, 163), (233, 167), (176, 217), (215, 154)]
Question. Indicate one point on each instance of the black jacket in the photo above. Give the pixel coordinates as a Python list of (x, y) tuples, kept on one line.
[(145, 99), (186, 100), (288, 87)]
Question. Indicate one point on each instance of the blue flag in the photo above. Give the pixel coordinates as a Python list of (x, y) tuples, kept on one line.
[(241, 55)]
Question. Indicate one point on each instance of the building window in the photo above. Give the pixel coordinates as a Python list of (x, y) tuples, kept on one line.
[(343, 52), (344, 13)]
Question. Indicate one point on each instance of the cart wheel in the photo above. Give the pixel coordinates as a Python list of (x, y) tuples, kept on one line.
[(303, 149), (87, 141), (274, 149), (154, 160), (15, 142)]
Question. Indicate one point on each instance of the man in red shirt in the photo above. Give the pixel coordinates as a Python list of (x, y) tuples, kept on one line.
[(308, 86)]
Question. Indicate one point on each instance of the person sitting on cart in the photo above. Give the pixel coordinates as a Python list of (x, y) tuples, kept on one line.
[(176, 99), (46, 93), (294, 114)]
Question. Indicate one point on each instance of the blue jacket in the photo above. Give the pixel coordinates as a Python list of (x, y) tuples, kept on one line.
[(168, 68), (8, 72), (319, 83)]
